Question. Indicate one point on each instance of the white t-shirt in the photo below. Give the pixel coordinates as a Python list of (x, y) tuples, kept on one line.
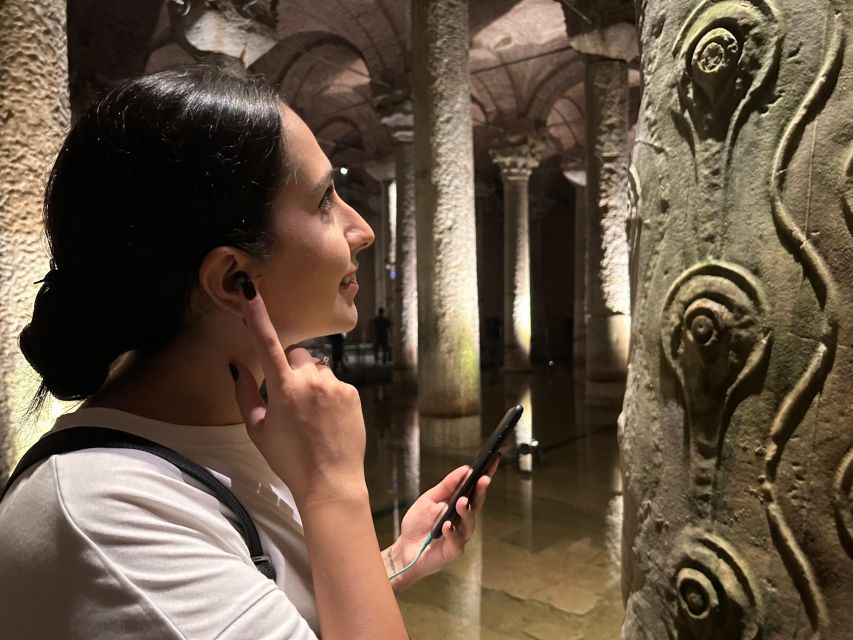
[(110, 543)]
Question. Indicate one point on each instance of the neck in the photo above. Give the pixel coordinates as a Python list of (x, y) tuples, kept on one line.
[(185, 383)]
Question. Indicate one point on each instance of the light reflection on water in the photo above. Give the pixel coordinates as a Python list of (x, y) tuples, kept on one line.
[(534, 527)]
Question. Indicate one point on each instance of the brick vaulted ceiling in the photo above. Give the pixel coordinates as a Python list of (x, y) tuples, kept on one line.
[(330, 59)]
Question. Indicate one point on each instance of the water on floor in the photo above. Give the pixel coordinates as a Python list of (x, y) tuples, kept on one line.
[(543, 563)]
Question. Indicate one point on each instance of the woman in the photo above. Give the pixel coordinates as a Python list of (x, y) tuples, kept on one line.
[(196, 236)]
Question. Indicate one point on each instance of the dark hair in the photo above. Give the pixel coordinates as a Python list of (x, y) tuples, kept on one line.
[(154, 175)]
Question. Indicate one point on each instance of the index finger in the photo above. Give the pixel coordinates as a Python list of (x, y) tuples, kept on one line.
[(273, 359)]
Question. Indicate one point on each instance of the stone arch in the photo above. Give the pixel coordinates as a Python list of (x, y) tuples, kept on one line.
[(280, 60)]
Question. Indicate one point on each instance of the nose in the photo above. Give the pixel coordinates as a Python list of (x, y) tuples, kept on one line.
[(359, 234)]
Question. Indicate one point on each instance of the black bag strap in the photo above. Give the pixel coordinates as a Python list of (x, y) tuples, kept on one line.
[(77, 438)]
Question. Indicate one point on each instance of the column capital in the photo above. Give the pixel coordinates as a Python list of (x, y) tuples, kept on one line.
[(381, 169), (617, 42), (242, 31), (574, 172), (396, 112), (517, 160)]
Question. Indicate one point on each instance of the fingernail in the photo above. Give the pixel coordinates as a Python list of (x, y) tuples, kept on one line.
[(243, 283), (249, 290), (234, 373)]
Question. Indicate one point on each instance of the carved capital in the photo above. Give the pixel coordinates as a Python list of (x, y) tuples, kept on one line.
[(396, 112), (240, 29), (574, 172), (381, 170), (517, 161)]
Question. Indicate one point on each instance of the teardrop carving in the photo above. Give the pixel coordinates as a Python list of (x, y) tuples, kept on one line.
[(728, 51), (715, 335), (713, 590)]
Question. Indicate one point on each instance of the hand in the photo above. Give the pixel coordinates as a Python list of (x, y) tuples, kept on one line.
[(311, 430), (418, 522)]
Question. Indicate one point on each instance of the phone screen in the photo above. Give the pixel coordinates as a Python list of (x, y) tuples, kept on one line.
[(480, 465)]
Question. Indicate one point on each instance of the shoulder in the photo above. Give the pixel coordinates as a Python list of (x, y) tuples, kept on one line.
[(124, 527)]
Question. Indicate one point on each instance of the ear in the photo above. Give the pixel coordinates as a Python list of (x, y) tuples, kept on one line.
[(216, 276)]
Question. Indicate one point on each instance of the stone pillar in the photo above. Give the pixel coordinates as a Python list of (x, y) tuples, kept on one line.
[(516, 162), (578, 179), (736, 440), (34, 117), (607, 282), (383, 171), (396, 114), (449, 332)]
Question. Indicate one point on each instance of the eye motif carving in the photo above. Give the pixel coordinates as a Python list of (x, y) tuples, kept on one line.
[(843, 501), (727, 50), (713, 590), (714, 62), (714, 336)]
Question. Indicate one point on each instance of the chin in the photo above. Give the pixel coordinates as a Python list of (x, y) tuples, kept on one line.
[(343, 324)]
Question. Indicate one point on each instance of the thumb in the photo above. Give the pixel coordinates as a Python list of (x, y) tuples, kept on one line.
[(249, 400)]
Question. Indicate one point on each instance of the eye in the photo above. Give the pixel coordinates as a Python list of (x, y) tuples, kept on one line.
[(326, 202)]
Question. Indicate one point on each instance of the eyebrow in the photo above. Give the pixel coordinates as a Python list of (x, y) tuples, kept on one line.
[(323, 183)]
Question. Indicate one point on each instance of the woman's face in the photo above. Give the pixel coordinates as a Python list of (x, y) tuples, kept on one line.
[(306, 282)]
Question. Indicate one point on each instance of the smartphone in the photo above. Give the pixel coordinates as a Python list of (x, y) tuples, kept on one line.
[(481, 464)]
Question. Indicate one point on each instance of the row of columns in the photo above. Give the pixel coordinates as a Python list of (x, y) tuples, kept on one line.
[(435, 301)]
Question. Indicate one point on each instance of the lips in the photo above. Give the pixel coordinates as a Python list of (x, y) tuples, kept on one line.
[(349, 283)]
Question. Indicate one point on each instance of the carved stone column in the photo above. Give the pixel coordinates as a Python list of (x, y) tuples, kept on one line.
[(449, 332), (34, 117), (736, 441), (516, 162), (396, 114), (607, 286)]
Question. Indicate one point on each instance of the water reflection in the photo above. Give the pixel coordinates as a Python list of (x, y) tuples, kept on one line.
[(524, 432), (544, 559)]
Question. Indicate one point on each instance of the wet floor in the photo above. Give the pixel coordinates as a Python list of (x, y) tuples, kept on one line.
[(544, 561)]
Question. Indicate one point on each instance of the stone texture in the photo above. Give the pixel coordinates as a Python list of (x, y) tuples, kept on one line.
[(607, 285), (516, 161), (448, 322), (736, 440), (34, 116)]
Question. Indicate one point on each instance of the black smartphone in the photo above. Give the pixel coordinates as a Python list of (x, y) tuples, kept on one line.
[(481, 463)]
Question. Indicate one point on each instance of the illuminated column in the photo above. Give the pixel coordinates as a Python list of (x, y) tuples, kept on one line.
[(384, 173), (516, 162), (34, 116), (395, 111), (578, 179), (448, 315), (607, 282)]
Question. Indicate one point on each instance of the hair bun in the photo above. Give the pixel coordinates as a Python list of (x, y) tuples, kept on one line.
[(72, 339)]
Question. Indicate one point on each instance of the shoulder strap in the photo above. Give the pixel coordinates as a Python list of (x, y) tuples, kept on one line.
[(77, 438)]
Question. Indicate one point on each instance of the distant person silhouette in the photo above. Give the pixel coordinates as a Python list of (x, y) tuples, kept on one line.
[(381, 332), (337, 342)]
